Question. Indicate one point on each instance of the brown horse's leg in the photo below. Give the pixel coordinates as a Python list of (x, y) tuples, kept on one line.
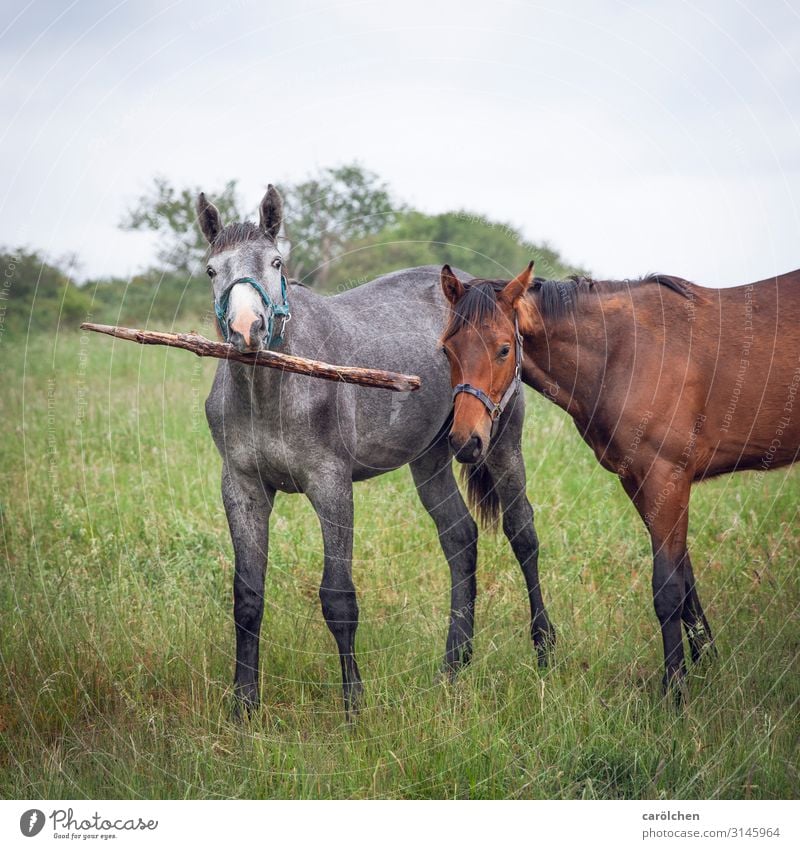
[(698, 631), (662, 500)]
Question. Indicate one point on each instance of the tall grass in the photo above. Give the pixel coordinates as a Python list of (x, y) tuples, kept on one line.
[(117, 636)]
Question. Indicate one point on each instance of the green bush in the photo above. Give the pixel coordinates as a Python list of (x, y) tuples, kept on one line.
[(37, 295), (480, 246)]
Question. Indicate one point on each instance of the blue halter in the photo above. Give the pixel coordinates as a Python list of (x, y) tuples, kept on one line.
[(274, 310)]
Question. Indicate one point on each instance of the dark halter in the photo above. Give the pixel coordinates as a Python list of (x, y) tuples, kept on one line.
[(496, 410)]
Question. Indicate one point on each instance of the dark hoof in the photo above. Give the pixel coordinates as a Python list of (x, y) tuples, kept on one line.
[(353, 698), (545, 644), (446, 674), (243, 709), (675, 689), (451, 666)]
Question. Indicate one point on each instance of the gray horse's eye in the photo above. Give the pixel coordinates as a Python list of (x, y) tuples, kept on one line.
[(277, 262), (210, 272)]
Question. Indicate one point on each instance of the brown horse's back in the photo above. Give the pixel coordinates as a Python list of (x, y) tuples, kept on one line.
[(746, 350), (708, 383)]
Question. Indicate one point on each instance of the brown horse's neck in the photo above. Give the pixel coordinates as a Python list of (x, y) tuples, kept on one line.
[(567, 357)]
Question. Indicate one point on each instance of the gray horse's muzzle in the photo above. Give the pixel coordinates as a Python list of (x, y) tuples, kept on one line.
[(255, 338)]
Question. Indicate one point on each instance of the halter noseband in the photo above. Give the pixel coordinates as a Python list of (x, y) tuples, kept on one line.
[(496, 410), (274, 310)]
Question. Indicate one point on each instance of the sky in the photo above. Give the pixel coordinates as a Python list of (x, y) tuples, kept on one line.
[(632, 137)]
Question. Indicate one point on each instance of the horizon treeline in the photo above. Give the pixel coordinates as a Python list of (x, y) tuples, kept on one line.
[(343, 227)]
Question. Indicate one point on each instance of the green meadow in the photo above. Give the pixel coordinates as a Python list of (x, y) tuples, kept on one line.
[(117, 636)]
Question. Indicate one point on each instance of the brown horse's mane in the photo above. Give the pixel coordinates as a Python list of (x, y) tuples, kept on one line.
[(559, 297), (554, 298)]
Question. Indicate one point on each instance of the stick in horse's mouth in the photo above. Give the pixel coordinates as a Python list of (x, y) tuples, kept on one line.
[(377, 378)]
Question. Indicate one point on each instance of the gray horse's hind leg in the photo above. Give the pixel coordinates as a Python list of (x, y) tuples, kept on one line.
[(248, 505), (333, 502), (458, 535), (507, 467)]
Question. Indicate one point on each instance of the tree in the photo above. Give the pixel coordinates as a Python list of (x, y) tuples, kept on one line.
[(480, 246), (323, 214), (330, 210), (170, 212)]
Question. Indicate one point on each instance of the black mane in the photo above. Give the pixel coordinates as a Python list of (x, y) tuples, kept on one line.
[(554, 298)]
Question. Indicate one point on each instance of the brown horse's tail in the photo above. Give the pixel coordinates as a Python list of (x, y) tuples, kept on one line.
[(482, 497)]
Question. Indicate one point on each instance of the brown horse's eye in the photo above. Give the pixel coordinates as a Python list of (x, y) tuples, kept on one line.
[(504, 351)]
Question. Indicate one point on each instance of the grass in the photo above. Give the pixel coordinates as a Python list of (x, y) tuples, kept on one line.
[(117, 636)]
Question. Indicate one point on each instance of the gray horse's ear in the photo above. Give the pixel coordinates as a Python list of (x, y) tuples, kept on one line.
[(208, 218), (452, 287), (271, 213), (516, 288)]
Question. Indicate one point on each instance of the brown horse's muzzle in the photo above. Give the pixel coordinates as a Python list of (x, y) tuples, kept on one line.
[(471, 431), (470, 451)]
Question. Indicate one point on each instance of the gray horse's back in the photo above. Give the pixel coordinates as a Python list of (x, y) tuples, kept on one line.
[(397, 322)]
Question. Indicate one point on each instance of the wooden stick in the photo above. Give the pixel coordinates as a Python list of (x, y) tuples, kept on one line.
[(271, 359)]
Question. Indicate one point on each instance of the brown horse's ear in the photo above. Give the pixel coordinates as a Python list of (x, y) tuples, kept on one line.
[(516, 288), (452, 287), (208, 218), (271, 213)]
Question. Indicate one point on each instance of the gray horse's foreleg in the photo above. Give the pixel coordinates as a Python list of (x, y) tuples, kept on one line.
[(458, 535), (248, 506), (333, 502), (507, 467)]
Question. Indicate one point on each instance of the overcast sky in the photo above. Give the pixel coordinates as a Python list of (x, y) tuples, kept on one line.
[(633, 137)]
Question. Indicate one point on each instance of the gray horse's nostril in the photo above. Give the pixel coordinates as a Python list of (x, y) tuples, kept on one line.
[(237, 340), (258, 327)]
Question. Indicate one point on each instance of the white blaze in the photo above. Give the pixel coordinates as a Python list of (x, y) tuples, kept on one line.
[(244, 299)]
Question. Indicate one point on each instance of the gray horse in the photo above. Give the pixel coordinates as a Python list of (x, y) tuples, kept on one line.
[(290, 433)]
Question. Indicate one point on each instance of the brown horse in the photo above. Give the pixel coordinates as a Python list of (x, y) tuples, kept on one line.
[(668, 382)]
